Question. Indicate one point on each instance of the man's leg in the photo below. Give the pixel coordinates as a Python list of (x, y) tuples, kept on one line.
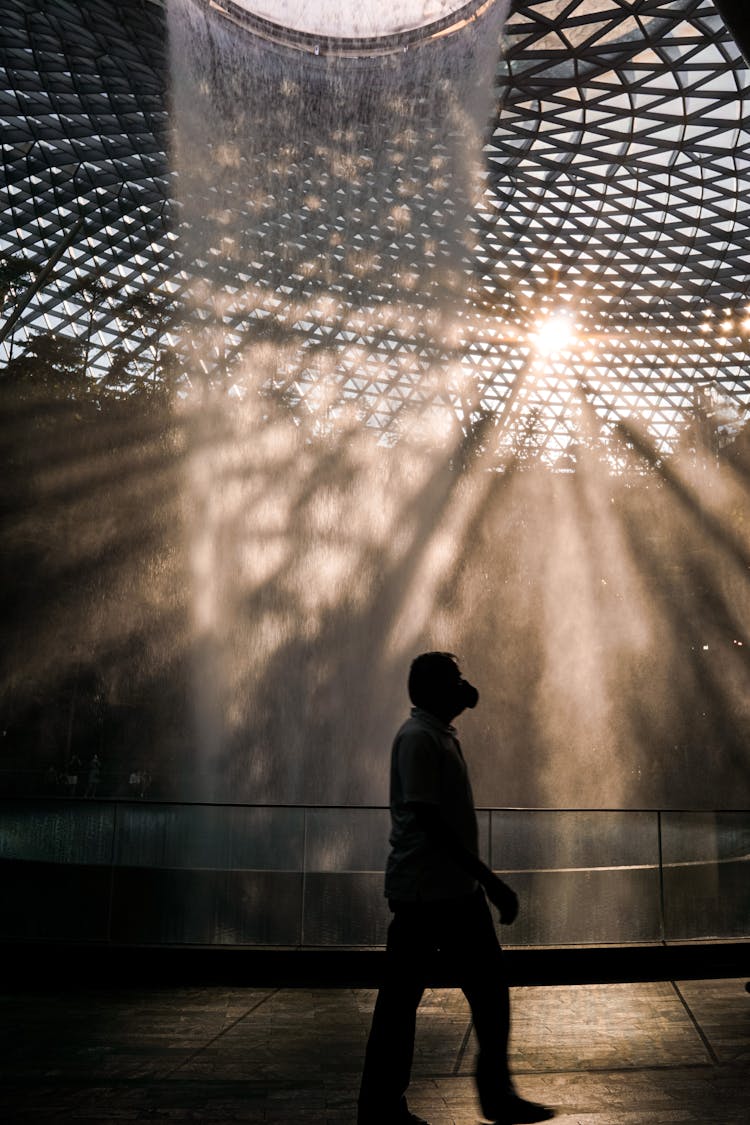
[(481, 975), (485, 985), (390, 1047)]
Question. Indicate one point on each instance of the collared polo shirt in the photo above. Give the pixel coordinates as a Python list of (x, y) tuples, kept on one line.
[(427, 766)]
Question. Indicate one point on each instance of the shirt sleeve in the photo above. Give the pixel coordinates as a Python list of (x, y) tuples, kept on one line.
[(418, 761)]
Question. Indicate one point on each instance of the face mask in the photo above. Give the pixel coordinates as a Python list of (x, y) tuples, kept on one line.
[(466, 695), (460, 696)]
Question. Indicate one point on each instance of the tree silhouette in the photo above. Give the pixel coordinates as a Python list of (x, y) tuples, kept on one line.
[(148, 317), (96, 293), (50, 364), (14, 272)]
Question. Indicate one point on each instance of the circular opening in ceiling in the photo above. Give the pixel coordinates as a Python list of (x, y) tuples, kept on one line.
[(347, 27)]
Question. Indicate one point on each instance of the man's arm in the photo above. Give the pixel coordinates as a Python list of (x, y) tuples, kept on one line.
[(433, 824)]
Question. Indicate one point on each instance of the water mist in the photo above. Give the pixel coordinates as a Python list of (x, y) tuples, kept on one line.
[(323, 205)]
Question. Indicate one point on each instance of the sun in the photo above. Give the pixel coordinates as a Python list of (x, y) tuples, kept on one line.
[(554, 334)]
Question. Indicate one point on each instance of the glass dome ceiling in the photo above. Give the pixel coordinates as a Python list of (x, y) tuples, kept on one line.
[(615, 200)]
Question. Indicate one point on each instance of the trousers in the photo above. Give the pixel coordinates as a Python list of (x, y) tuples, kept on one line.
[(454, 938)]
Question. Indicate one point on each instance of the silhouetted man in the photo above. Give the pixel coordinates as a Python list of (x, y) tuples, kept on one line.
[(437, 888)]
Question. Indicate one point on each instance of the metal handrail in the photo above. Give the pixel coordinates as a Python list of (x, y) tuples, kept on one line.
[(106, 855)]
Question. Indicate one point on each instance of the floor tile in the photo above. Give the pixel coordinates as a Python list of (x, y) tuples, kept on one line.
[(660, 1053)]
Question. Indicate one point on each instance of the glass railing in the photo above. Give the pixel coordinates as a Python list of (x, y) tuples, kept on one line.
[(311, 877)]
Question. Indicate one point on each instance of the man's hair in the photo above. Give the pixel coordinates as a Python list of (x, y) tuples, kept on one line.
[(430, 674)]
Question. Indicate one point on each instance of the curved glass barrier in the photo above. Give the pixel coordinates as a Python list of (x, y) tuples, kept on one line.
[(311, 877)]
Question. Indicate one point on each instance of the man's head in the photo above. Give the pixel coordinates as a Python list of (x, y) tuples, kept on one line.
[(436, 685)]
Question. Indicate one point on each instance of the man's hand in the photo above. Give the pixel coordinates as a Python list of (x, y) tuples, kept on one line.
[(499, 893), (501, 896)]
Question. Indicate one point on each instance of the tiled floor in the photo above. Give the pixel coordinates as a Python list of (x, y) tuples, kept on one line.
[(613, 1054)]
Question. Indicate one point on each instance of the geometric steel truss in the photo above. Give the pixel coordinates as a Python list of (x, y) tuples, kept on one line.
[(617, 175)]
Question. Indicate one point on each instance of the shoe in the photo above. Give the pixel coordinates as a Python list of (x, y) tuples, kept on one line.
[(517, 1111)]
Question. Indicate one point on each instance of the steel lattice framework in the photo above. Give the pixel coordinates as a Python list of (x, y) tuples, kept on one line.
[(616, 189)]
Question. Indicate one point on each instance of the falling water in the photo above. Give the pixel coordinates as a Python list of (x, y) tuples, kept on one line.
[(323, 215)]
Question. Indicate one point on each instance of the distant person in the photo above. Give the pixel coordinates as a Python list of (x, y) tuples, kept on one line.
[(145, 784), (134, 784), (437, 889), (94, 776), (52, 780)]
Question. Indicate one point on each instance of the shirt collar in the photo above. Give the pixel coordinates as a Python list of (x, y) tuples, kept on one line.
[(433, 721)]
